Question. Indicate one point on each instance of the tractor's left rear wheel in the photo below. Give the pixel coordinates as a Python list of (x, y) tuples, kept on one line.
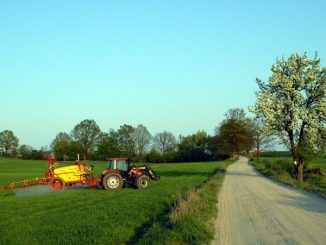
[(57, 183), (112, 181)]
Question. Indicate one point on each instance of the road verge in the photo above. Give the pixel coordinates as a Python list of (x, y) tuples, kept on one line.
[(280, 171), (191, 218)]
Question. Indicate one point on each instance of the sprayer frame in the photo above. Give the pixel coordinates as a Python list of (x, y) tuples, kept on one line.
[(85, 179)]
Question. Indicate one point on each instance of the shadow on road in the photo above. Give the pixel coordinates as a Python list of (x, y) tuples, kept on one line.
[(305, 202), (238, 173)]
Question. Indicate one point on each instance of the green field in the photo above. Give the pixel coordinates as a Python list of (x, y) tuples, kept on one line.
[(89, 215), (319, 163), (280, 168)]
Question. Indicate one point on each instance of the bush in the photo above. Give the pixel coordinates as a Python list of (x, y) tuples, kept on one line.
[(170, 156), (268, 165), (154, 157), (282, 166), (265, 163), (267, 172), (283, 170)]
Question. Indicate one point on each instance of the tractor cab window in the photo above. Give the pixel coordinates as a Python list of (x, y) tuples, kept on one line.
[(110, 164), (122, 165)]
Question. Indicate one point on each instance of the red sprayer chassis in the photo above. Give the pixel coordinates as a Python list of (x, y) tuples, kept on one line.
[(58, 177)]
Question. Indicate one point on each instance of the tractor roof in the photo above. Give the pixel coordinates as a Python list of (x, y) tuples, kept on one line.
[(117, 158)]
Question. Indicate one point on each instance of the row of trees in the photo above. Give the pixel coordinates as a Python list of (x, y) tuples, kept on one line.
[(9, 146), (133, 142), (235, 135)]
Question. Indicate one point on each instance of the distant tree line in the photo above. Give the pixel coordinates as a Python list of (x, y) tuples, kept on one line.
[(9, 146), (236, 134)]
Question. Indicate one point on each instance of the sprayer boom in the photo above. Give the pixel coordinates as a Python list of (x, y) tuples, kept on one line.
[(25, 183)]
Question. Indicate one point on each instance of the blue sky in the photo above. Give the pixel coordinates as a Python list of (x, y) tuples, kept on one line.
[(169, 65)]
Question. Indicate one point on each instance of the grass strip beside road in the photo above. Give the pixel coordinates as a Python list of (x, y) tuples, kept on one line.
[(280, 168), (191, 218)]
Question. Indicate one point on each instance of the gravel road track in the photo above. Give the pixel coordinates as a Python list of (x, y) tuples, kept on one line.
[(256, 210)]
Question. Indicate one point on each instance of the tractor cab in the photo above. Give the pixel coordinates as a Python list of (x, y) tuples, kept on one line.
[(121, 164)]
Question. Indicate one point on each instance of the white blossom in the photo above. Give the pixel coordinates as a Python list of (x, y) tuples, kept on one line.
[(294, 101)]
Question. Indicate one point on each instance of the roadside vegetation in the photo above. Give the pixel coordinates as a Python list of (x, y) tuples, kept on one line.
[(184, 198), (191, 219), (282, 169)]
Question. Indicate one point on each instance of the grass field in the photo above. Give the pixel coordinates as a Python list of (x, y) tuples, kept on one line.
[(280, 168), (93, 216), (319, 163)]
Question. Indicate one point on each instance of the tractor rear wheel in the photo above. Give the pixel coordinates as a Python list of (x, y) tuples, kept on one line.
[(57, 183), (141, 182), (112, 181)]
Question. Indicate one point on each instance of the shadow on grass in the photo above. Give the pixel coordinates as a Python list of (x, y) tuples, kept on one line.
[(141, 231), (185, 173)]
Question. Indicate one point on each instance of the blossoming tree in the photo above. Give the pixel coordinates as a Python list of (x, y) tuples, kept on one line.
[(292, 105)]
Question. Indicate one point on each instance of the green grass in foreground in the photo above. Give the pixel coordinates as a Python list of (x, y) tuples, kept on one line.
[(93, 216), (280, 169), (191, 221)]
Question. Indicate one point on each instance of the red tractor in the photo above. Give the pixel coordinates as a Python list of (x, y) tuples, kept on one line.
[(120, 171)]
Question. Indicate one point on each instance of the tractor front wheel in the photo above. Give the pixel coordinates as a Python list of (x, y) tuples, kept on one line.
[(112, 181), (57, 183), (141, 182)]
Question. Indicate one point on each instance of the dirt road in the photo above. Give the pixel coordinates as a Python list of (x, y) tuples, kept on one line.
[(256, 210)]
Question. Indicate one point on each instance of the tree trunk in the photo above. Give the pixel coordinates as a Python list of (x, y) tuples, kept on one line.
[(293, 152), (300, 176), (257, 153), (299, 169), (296, 161)]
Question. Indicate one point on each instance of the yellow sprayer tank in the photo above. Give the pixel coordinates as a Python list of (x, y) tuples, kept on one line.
[(71, 173)]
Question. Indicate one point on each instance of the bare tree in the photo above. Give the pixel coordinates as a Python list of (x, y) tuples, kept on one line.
[(164, 142), (142, 139), (262, 140), (62, 136), (236, 114)]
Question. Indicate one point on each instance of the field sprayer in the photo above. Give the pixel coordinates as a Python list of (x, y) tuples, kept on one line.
[(119, 171)]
